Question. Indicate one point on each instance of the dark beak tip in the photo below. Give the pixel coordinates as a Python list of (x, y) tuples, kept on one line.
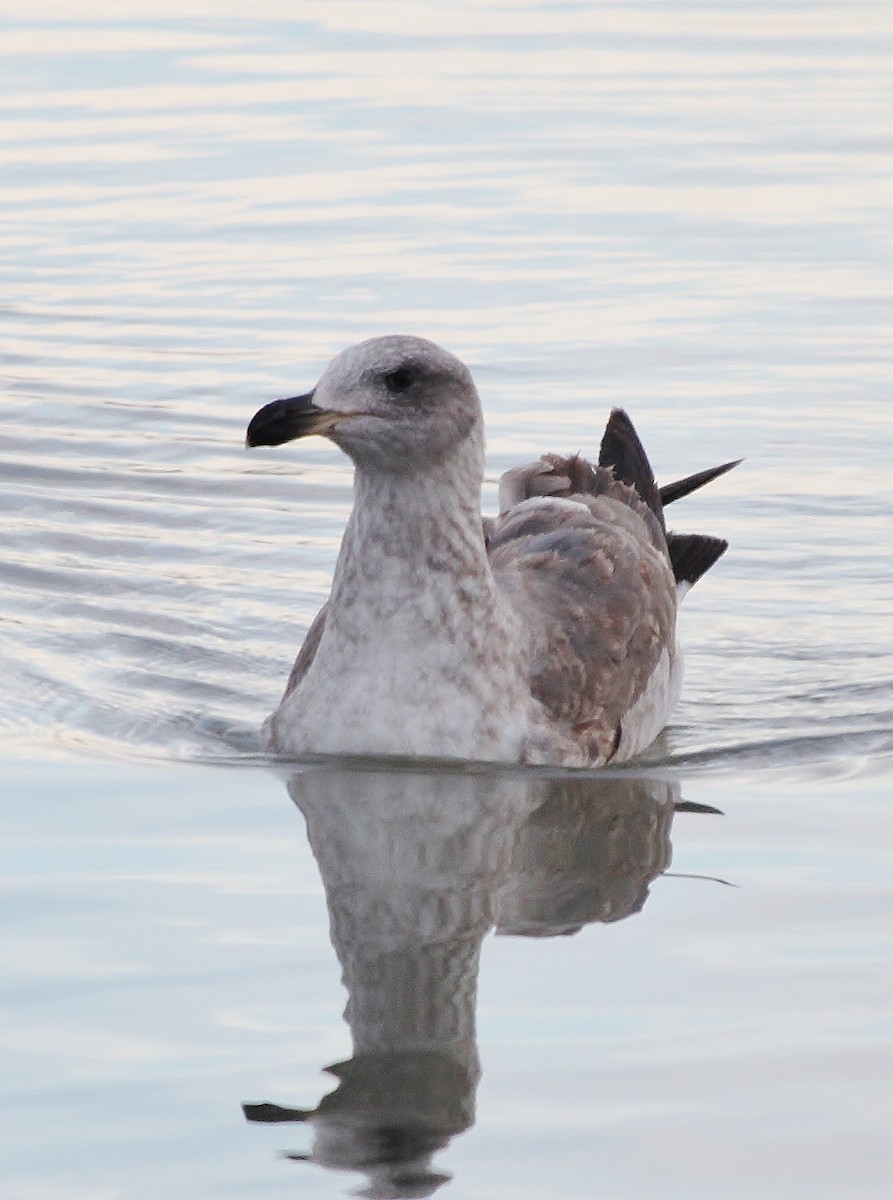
[(252, 433), (252, 436), (280, 421)]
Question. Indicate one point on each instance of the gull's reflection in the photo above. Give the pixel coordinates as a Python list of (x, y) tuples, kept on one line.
[(418, 866), (587, 853)]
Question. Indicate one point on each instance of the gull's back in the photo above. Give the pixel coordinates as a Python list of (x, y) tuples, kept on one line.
[(583, 555)]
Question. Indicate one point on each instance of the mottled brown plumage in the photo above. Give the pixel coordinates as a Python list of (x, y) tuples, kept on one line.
[(591, 562)]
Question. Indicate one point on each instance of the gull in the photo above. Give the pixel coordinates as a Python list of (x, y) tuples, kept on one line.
[(545, 635)]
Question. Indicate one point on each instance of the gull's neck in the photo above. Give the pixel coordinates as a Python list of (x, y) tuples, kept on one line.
[(420, 655), (413, 534)]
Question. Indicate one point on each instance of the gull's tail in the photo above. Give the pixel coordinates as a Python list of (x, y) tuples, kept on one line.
[(691, 554), (683, 487)]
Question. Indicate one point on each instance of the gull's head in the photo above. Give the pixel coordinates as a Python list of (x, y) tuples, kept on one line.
[(394, 404)]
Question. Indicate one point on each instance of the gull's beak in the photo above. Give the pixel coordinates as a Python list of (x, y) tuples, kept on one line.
[(285, 420)]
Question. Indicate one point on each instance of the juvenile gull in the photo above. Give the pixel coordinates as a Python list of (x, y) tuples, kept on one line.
[(546, 635)]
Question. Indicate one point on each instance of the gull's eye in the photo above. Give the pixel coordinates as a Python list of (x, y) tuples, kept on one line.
[(398, 381)]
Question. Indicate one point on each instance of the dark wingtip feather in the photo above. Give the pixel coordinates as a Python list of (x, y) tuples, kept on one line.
[(693, 554), (683, 487), (274, 1113), (622, 451)]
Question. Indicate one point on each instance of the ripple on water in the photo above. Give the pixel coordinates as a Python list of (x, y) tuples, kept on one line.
[(686, 218), (144, 596)]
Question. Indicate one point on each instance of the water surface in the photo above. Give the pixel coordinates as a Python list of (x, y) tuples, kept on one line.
[(681, 210)]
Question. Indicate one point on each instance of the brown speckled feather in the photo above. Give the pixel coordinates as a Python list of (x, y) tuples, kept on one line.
[(591, 573)]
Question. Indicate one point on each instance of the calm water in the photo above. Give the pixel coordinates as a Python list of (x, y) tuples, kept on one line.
[(683, 210)]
